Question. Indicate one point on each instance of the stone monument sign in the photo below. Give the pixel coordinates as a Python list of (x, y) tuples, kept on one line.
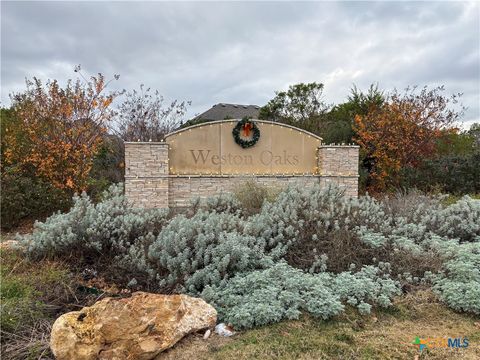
[(209, 158)]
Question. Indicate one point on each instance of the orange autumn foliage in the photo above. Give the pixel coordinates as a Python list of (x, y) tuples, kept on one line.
[(402, 132), (63, 128)]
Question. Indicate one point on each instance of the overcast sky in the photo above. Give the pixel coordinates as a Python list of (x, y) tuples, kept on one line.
[(242, 52)]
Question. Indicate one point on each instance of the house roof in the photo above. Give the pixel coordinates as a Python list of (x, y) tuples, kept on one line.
[(224, 111)]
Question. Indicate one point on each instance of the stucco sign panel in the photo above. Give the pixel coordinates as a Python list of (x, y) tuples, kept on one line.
[(210, 149)]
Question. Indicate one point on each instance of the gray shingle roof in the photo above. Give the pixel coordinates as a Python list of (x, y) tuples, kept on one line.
[(229, 111)]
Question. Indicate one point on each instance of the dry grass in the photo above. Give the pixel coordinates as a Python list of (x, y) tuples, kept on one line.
[(383, 335), (33, 294), (30, 343)]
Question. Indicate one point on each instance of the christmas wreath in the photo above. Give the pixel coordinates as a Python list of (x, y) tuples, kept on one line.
[(246, 133)]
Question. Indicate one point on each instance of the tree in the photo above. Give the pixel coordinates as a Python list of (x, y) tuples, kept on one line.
[(143, 116), (403, 132), (301, 105), (62, 128), (454, 169), (475, 133), (339, 120), (455, 144), (11, 132), (452, 173), (108, 166)]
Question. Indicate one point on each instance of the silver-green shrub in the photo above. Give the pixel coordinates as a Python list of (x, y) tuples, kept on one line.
[(428, 214), (266, 296), (371, 285), (460, 220), (59, 234), (297, 254), (110, 227), (459, 284), (222, 202), (304, 223), (283, 292), (412, 205), (206, 249)]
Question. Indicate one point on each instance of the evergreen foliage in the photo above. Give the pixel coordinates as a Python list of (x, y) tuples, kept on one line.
[(112, 225), (283, 292), (206, 249), (459, 285), (222, 202), (307, 250), (266, 296), (451, 173)]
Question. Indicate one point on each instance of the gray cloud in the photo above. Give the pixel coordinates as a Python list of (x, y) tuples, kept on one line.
[(243, 52)]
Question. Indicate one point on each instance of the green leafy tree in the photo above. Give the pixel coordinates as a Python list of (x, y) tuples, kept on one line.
[(455, 144), (302, 105), (452, 173), (340, 118), (475, 133)]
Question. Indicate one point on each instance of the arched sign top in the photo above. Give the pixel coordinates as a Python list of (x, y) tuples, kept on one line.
[(210, 149), (236, 120)]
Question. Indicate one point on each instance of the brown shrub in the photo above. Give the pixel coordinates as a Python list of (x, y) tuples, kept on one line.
[(252, 195)]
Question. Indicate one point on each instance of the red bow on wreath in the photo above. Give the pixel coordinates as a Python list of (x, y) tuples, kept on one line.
[(247, 127)]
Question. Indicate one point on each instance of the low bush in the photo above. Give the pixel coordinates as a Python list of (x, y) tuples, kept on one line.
[(459, 284), (456, 174), (27, 197), (108, 228), (206, 249), (222, 203), (251, 196), (306, 241), (457, 221), (280, 292), (303, 224)]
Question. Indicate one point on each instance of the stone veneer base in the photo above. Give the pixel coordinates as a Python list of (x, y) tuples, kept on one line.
[(148, 183)]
